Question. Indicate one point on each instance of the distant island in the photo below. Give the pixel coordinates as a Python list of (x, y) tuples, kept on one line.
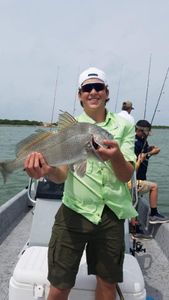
[(45, 124), (160, 126), (26, 122)]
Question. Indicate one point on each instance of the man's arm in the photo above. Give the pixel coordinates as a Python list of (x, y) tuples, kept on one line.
[(153, 150)]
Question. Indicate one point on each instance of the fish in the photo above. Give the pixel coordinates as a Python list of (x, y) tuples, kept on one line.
[(71, 144)]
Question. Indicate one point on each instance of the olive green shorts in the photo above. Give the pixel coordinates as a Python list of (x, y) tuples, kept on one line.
[(104, 244)]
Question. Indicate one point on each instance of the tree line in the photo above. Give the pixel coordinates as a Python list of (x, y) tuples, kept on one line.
[(20, 122), (40, 123)]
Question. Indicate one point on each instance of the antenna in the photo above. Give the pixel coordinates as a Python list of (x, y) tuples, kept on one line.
[(149, 68)]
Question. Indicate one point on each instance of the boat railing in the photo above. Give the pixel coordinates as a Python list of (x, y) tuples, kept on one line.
[(44, 189)]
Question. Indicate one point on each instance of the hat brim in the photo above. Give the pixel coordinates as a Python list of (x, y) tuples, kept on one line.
[(144, 129)]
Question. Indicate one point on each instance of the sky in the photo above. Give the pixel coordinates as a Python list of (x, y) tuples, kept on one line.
[(45, 45)]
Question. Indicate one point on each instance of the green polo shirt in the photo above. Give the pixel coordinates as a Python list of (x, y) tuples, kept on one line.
[(100, 186)]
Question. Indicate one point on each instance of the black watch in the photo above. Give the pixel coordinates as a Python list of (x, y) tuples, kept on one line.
[(148, 155)]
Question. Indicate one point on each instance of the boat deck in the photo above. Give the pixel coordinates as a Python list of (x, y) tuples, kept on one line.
[(154, 263), (10, 250), (155, 267)]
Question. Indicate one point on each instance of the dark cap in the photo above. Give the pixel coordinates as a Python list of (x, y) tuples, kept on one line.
[(144, 125), (127, 104)]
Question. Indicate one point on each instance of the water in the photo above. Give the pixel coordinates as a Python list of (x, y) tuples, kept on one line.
[(9, 137), (158, 167)]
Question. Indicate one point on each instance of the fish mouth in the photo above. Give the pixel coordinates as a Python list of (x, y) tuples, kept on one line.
[(95, 145)]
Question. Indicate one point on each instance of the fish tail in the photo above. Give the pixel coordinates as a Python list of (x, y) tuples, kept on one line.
[(5, 170)]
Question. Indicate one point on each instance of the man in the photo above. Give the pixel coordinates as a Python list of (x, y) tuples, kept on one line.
[(127, 107), (143, 152), (95, 206)]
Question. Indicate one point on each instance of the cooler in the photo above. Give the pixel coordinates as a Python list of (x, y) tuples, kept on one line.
[(29, 280)]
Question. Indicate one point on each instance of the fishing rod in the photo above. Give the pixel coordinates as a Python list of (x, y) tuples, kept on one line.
[(54, 99), (155, 110), (118, 89), (149, 68), (162, 88), (119, 292), (158, 101), (76, 94)]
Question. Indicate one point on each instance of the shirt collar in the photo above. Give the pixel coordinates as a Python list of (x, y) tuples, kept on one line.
[(87, 119)]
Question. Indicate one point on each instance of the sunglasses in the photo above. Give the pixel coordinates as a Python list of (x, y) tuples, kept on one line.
[(90, 86)]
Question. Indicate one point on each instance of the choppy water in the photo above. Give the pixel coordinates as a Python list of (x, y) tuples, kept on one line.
[(158, 166)]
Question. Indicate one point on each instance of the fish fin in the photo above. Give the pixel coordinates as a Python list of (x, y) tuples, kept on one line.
[(65, 120), (5, 170), (80, 168), (32, 139)]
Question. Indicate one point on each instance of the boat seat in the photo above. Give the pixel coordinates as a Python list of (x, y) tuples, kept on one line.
[(48, 201), (43, 220), (47, 189)]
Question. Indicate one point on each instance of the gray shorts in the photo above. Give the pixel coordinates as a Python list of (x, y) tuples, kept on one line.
[(104, 244)]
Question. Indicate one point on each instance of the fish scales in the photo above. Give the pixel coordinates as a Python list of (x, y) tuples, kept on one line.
[(73, 143)]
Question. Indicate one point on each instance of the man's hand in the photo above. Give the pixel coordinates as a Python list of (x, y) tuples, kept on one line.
[(110, 152), (153, 150), (123, 169), (36, 166), (141, 157)]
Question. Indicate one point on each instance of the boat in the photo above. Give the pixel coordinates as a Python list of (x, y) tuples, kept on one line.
[(25, 225)]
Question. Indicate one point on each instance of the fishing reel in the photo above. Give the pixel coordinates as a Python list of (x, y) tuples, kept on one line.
[(137, 247)]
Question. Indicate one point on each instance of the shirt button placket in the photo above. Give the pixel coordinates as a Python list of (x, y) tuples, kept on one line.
[(103, 183)]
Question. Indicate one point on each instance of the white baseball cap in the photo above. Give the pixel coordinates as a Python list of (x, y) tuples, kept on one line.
[(92, 73)]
